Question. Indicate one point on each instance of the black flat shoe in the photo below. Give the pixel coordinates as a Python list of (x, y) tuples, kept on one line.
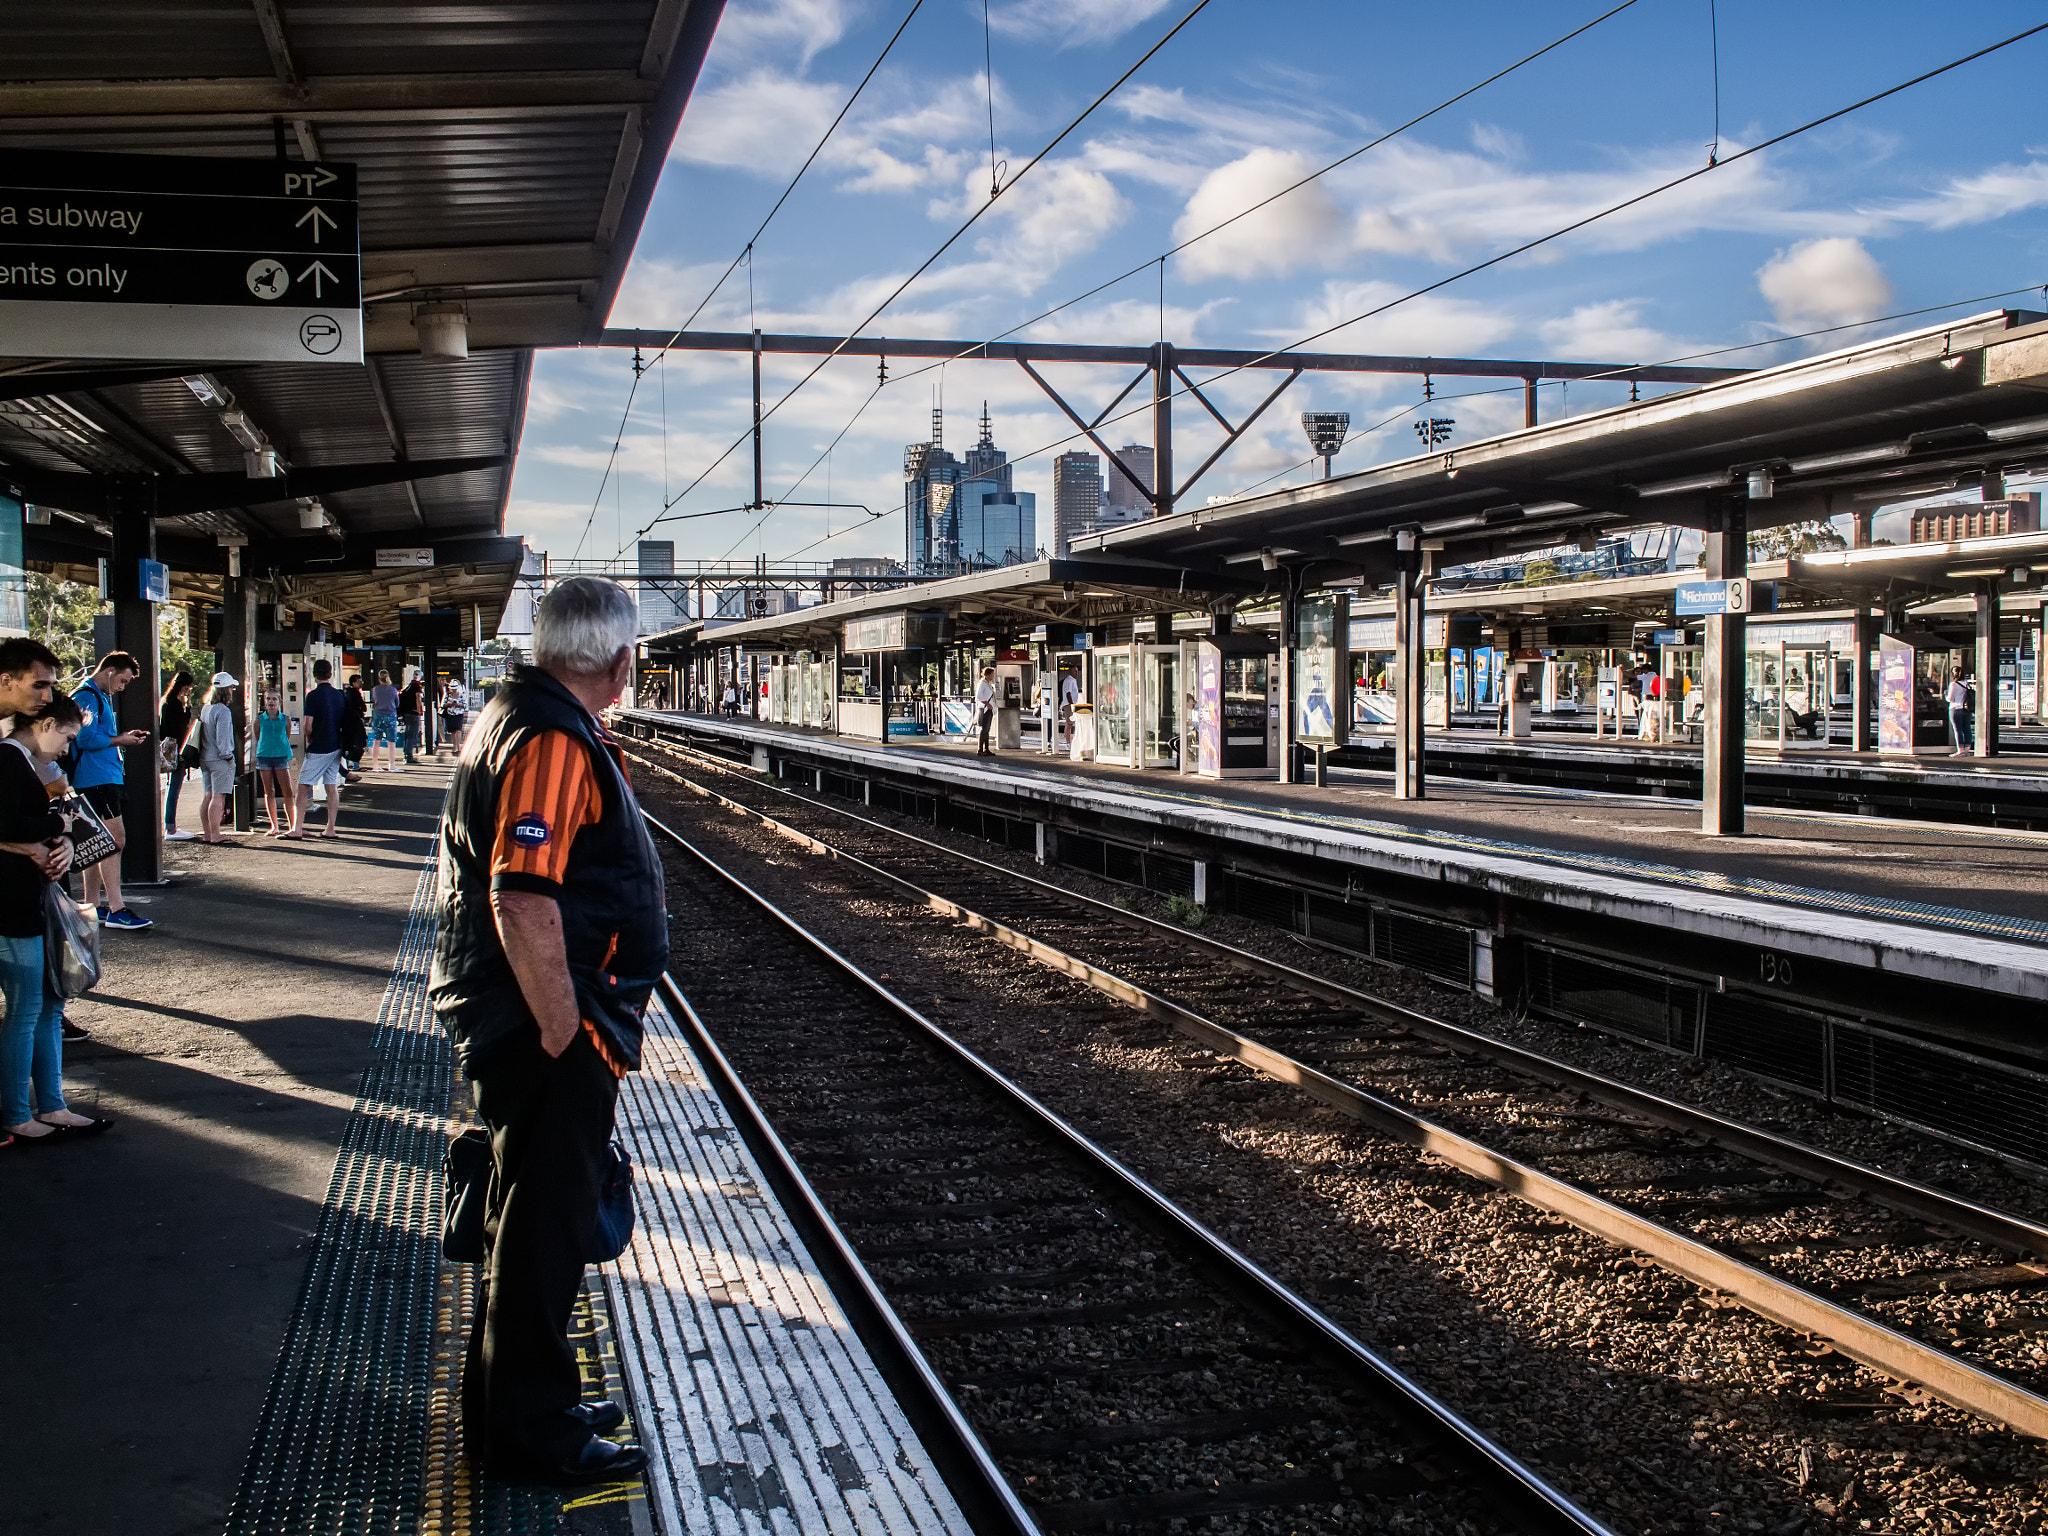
[(599, 1418), (72, 1032), (94, 1124), (600, 1461)]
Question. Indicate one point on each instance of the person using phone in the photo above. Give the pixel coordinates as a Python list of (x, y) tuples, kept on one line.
[(99, 778)]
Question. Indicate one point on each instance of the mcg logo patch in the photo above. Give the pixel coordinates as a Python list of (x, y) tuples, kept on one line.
[(530, 831)]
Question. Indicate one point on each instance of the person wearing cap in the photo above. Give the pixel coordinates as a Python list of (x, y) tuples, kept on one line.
[(216, 755)]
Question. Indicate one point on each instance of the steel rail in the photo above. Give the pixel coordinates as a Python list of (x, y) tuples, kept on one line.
[(1544, 1507), (2017, 1234), (1953, 1380), (971, 1475)]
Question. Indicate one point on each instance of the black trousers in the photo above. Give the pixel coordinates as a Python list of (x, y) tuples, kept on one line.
[(985, 724), (550, 1120)]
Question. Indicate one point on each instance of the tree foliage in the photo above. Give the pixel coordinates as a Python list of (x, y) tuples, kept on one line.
[(1792, 539), (60, 614)]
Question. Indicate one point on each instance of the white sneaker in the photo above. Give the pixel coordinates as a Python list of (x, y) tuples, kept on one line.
[(180, 836)]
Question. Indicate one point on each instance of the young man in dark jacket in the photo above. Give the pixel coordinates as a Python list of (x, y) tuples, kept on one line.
[(553, 932)]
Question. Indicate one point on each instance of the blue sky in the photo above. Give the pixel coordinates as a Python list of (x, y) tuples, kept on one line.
[(1935, 196)]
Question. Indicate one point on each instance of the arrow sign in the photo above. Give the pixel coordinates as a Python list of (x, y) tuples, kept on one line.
[(317, 271), (315, 214), (322, 176)]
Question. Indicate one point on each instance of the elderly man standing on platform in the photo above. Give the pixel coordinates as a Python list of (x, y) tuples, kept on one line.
[(553, 931)]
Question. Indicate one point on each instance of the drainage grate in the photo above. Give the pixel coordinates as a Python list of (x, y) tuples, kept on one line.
[(1656, 1010), (1442, 950), (904, 803), (1265, 902), (1340, 923), (1988, 1104), (1787, 1045)]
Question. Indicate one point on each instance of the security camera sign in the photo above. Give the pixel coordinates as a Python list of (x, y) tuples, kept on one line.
[(178, 259)]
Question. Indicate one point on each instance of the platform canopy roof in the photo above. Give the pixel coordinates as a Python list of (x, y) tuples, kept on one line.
[(1910, 415), (1005, 601), (506, 157)]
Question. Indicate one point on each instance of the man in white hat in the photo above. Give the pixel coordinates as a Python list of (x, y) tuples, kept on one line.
[(217, 755)]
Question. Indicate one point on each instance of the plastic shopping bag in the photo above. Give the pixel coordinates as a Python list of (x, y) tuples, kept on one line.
[(71, 945)]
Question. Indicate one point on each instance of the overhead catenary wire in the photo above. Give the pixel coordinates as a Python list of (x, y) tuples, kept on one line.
[(947, 244), (1161, 259), (745, 254), (1581, 223)]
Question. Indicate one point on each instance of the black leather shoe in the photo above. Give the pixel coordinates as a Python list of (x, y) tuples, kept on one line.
[(599, 1418), (600, 1461)]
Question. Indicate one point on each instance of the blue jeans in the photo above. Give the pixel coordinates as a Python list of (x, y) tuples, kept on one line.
[(173, 782), (31, 1038)]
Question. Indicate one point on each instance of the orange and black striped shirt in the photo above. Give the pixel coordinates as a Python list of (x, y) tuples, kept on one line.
[(547, 795)]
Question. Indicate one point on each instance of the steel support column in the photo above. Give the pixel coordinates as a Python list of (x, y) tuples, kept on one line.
[(1162, 428), (1290, 613), (1986, 744), (1727, 551), (1411, 666), (134, 541), (1528, 402), (1862, 729)]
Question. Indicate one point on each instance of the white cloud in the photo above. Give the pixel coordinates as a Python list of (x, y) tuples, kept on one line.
[(1304, 228), (1072, 22), (1431, 326), (1824, 282), (764, 122), (1061, 211), (1992, 194), (1610, 332), (776, 26)]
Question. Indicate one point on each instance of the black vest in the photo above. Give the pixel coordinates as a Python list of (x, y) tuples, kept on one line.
[(614, 915)]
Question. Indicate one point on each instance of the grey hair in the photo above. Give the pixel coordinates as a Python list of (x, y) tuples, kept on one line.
[(582, 625)]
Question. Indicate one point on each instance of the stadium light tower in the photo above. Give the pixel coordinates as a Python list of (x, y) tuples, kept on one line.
[(1326, 430)]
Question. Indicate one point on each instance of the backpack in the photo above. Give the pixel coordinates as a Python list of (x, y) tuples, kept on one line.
[(68, 763)]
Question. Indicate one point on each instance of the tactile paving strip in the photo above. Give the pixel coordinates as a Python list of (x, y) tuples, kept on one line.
[(338, 1446), (759, 1407)]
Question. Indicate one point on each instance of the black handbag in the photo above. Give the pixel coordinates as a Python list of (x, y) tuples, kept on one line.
[(614, 1210), (465, 1196)]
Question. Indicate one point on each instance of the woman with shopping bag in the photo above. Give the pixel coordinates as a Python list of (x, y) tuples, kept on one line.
[(35, 849)]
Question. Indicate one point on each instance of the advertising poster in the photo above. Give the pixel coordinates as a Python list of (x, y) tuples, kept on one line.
[(1318, 668), (1209, 711), (1895, 698)]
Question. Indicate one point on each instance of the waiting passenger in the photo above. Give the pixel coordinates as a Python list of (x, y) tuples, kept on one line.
[(320, 731), (553, 933), (412, 721), (1962, 726), (173, 720), (355, 728), (274, 762), (985, 709), (217, 756), (99, 779), (34, 850), (384, 723), (454, 713)]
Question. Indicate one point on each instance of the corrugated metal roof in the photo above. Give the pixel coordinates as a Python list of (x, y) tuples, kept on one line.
[(506, 153)]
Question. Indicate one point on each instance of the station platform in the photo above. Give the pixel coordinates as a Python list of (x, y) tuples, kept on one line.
[(1949, 905), (253, 1331), (2007, 790)]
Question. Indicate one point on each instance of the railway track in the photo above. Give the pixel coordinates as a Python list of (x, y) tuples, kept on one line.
[(1124, 1366), (1814, 1242)]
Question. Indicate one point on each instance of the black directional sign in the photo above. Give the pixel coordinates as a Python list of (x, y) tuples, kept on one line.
[(178, 258)]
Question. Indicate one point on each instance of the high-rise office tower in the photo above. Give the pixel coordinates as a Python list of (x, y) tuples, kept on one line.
[(930, 532), (1123, 502), (985, 461), (1076, 499)]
